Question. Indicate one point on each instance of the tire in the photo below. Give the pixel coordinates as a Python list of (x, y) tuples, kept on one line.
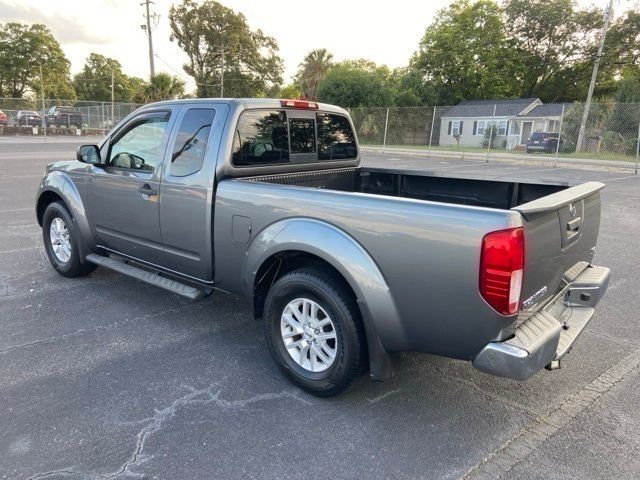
[(333, 300), (67, 261)]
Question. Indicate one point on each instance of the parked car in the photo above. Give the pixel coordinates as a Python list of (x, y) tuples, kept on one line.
[(3, 118), (27, 118), (344, 264), (60, 116), (542, 142)]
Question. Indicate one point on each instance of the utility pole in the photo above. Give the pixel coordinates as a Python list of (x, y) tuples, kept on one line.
[(222, 53), (44, 113), (594, 75), (113, 114), (148, 17)]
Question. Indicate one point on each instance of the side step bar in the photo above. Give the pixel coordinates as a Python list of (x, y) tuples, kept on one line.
[(147, 277)]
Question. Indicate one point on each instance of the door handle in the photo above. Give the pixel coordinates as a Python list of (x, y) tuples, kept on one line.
[(147, 190)]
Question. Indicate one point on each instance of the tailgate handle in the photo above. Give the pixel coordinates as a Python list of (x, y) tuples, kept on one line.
[(574, 224)]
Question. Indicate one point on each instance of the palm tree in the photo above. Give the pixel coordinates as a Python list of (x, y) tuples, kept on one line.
[(312, 69), (163, 87)]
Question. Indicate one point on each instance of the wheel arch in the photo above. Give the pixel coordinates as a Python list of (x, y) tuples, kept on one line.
[(56, 186), (294, 243)]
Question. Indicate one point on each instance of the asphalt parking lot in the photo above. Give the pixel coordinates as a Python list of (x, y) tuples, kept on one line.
[(106, 377)]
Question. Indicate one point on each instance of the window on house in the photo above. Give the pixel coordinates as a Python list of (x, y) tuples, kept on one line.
[(455, 127), (553, 125), (482, 126), (502, 127)]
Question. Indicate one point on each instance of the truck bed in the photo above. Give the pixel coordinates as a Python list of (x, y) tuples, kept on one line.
[(430, 186), (560, 221)]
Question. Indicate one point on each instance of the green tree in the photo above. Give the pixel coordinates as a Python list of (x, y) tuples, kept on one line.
[(209, 31), (291, 91), (556, 43), (466, 54), (23, 50), (94, 80), (313, 68), (622, 53), (628, 88), (349, 86), (162, 86)]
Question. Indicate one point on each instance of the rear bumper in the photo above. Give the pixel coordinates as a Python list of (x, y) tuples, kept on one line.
[(548, 333), (540, 148)]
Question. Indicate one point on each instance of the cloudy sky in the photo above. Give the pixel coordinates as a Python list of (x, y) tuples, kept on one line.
[(385, 32)]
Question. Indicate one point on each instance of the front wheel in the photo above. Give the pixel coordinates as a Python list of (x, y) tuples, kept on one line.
[(61, 242), (314, 331)]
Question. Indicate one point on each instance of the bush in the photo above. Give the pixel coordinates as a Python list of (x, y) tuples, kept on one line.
[(490, 134)]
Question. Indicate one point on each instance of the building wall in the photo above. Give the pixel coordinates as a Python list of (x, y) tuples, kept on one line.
[(468, 139)]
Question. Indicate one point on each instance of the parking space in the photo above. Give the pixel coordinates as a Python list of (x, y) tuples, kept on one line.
[(106, 377)]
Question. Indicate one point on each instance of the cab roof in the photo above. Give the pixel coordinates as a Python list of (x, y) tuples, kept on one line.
[(246, 103)]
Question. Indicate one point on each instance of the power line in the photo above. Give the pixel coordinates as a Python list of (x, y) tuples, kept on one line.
[(187, 78)]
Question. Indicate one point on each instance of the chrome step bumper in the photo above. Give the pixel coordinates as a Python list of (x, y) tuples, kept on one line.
[(548, 334)]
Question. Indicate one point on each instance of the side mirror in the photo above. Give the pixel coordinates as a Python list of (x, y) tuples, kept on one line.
[(88, 154)]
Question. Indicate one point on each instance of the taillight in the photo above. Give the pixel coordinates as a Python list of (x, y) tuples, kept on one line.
[(501, 269), (299, 104)]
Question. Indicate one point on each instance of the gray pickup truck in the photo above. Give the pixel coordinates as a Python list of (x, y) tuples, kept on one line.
[(344, 264)]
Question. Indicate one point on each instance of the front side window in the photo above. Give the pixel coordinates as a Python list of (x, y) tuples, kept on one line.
[(191, 142), (140, 146), (336, 140), (455, 127), (502, 127), (261, 138), (482, 125)]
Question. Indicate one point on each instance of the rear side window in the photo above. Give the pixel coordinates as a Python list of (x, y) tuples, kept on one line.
[(191, 142), (261, 138), (336, 140)]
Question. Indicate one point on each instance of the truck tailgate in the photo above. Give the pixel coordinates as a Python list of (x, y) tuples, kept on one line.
[(561, 231)]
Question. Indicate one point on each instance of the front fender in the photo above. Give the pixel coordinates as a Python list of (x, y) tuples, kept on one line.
[(61, 184), (347, 256)]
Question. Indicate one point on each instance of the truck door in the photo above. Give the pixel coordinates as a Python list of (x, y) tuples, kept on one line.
[(123, 192), (187, 199)]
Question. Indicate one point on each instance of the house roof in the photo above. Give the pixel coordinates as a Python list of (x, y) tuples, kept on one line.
[(547, 110), (484, 108)]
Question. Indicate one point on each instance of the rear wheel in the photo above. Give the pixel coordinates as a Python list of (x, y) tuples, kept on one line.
[(61, 242), (314, 332)]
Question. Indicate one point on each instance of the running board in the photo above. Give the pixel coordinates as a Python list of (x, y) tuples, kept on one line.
[(147, 277)]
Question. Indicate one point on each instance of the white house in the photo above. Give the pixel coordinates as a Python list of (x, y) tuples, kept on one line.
[(514, 121)]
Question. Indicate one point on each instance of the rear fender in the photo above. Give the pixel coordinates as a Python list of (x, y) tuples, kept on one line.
[(347, 256)]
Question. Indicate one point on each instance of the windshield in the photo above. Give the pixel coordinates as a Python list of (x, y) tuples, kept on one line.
[(541, 135)]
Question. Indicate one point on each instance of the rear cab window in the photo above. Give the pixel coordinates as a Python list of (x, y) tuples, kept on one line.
[(261, 138), (274, 137), (336, 140)]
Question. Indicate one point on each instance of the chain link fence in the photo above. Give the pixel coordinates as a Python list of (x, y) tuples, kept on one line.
[(520, 129), (21, 115), (516, 129)]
